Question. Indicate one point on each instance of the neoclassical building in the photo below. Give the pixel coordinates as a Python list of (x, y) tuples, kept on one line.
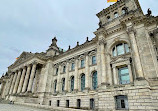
[(116, 70)]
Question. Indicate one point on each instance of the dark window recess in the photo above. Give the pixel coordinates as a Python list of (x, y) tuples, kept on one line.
[(121, 102), (50, 103), (78, 103), (92, 104), (58, 103), (67, 103)]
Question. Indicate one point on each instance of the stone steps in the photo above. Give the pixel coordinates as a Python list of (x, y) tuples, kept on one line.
[(50, 107)]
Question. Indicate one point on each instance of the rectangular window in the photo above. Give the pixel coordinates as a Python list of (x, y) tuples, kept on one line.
[(92, 104), (93, 59), (78, 103), (56, 71), (50, 103), (82, 63), (72, 66), (67, 103), (64, 69), (121, 102), (58, 103), (124, 75)]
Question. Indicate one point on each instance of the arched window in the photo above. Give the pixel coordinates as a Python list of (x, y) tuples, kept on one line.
[(94, 80), (63, 84), (108, 18), (115, 14), (120, 49), (72, 83), (82, 82), (55, 86), (123, 11)]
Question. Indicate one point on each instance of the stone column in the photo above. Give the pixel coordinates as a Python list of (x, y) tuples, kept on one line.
[(130, 73), (99, 76), (87, 85), (115, 75), (13, 83), (103, 61), (17, 82), (21, 80), (76, 75), (67, 77), (109, 73), (26, 78), (138, 65), (32, 77), (11, 80)]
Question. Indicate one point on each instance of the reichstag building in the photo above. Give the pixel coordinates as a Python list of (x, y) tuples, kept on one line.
[(116, 70)]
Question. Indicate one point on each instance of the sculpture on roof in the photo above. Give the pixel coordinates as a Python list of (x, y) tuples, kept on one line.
[(149, 12)]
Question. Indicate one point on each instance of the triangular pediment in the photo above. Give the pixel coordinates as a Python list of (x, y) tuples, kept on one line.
[(22, 58)]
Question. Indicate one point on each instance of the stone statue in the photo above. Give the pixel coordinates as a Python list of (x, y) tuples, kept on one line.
[(149, 12)]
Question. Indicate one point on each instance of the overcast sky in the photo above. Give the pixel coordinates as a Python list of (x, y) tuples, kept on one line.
[(29, 25)]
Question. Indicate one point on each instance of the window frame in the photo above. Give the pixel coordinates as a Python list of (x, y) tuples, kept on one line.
[(55, 86), (83, 82), (122, 75), (116, 15), (115, 49), (72, 66), (93, 63), (118, 103), (72, 85), (64, 69), (82, 63), (63, 84), (94, 80)]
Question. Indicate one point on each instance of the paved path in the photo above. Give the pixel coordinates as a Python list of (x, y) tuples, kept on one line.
[(9, 107)]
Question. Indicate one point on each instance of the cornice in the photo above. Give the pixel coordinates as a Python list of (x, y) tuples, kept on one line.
[(86, 44)]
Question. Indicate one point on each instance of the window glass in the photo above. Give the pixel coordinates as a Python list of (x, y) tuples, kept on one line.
[(93, 59), (123, 11), (124, 75), (64, 68), (116, 14), (63, 84), (94, 80), (82, 63), (121, 102), (58, 103), (114, 51), (56, 71), (72, 83), (82, 82), (120, 49), (92, 104), (126, 48), (55, 85), (72, 66)]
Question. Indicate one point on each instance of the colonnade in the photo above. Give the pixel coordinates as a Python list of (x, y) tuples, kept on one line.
[(21, 80)]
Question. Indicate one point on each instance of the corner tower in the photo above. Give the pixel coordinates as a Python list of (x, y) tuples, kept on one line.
[(53, 48)]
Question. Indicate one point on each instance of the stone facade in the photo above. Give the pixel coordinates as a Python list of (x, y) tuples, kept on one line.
[(116, 70)]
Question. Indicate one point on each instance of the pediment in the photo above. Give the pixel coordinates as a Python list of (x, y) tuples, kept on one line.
[(22, 58)]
